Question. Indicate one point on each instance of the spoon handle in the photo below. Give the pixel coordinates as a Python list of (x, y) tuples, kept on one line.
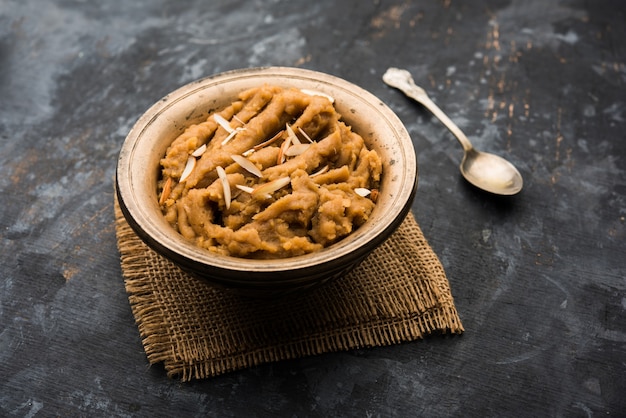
[(402, 80)]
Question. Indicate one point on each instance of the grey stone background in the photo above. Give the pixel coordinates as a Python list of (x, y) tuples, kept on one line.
[(539, 279)]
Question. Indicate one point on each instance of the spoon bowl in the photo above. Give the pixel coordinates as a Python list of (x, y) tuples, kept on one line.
[(486, 171), (491, 173)]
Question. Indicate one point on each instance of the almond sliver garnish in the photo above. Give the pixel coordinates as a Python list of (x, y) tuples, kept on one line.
[(243, 188), (247, 165), (292, 135), (308, 138), (191, 163), (167, 189), (320, 171), (223, 122), (266, 189), (225, 185), (296, 149), (318, 93), (283, 149), (362, 191), (226, 125), (268, 142), (199, 151), (232, 135)]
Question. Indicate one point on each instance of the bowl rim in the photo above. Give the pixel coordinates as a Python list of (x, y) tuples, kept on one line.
[(174, 245)]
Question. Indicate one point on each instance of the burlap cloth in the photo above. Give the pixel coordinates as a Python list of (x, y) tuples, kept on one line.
[(399, 293)]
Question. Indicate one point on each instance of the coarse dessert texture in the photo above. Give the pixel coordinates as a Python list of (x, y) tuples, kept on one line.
[(275, 174)]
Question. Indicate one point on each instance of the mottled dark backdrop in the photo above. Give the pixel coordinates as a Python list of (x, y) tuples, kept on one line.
[(539, 279)]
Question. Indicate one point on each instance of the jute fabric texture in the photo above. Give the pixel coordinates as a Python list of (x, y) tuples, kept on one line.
[(399, 293)]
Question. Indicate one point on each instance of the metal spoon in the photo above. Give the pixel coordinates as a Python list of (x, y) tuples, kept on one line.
[(486, 171)]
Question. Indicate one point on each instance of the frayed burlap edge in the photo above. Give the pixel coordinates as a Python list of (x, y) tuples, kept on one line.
[(399, 293)]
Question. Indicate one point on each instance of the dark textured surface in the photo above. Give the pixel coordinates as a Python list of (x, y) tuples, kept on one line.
[(539, 279)]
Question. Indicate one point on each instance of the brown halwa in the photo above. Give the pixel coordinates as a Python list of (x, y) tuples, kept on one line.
[(275, 174)]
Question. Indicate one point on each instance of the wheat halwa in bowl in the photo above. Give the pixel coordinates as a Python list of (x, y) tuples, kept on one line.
[(267, 180)]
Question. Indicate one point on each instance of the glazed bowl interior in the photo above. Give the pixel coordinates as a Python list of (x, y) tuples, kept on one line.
[(138, 173)]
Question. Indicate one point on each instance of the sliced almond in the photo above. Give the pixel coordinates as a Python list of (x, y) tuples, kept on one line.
[(244, 188), (247, 165), (317, 93), (199, 151), (283, 149), (226, 125), (304, 134), (225, 185), (320, 171), (191, 163), (231, 135), (167, 189), (223, 122), (292, 135), (268, 142), (362, 191), (296, 149), (266, 189)]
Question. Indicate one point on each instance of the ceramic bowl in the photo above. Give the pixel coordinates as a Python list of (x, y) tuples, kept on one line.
[(138, 172)]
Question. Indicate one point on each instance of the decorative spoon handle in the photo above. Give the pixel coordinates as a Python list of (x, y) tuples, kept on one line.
[(402, 80)]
